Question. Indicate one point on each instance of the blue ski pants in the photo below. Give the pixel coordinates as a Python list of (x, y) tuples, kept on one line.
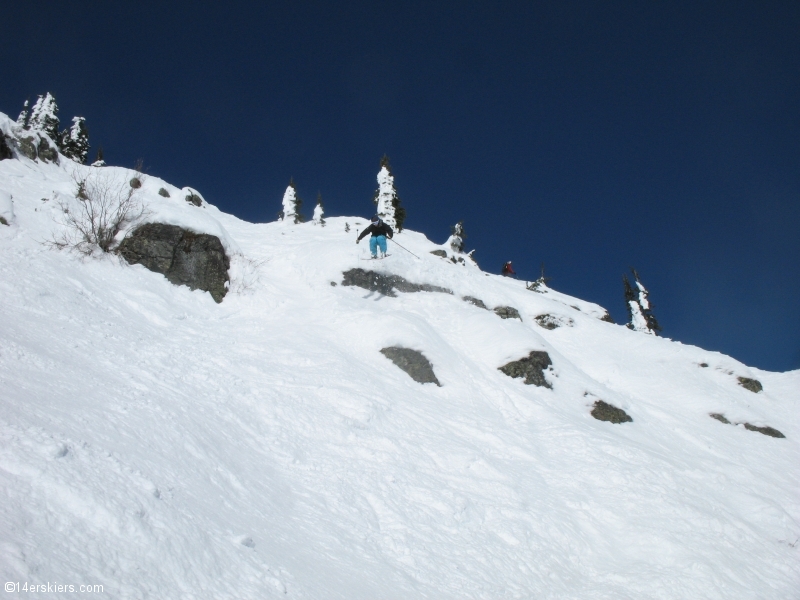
[(375, 242)]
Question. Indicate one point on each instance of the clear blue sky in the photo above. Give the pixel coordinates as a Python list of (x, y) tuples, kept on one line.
[(591, 136)]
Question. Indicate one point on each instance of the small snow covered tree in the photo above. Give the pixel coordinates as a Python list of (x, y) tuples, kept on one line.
[(457, 237), (641, 317), (291, 205), (99, 161), (44, 116), (319, 212), (386, 198), (74, 142), (24, 117)]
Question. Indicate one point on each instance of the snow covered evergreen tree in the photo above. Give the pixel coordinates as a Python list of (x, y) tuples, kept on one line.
[(386, 198), (74, 142), (319, 212), (291, 205), (641, 317), (457, 236), (44, 116), (99, 161), (24, 117)]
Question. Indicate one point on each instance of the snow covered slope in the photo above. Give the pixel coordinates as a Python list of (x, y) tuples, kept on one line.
[(165, 446)]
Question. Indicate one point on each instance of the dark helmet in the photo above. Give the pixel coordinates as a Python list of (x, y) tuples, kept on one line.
[(376, 219)]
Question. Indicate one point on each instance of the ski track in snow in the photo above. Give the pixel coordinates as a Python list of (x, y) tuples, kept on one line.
[(163, 445)]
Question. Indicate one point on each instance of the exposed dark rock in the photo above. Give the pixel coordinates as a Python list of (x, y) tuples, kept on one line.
[(333, 284), (3, 221), (607, 318), (754, 385), (507, 312), (47, 152), (704, 365), (770, 431), (531, 367), (477, 302), (720, 418), (603, 411), (441, 253), (27, 147), (163, 192), (553, 322), (197, 260), (412, 362), (5, 149), (386, 284), (765, 430), (136, 183), (194, 199)]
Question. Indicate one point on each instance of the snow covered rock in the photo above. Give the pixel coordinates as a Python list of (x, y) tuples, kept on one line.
[(412, 362), (551, 322), (603, 411), (507, 312), (197, 260), (475, 302), (386, 284), (770, 431), (532, 368)]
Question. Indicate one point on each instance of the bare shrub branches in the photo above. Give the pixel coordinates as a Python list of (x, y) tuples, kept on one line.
[(104, 205)]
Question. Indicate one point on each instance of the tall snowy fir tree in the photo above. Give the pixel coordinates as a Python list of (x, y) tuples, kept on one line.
[(457, 237), (640, 314), (319, 212), (386, 198), (44, 116), (291, 205), (74, 142), (25, 116)]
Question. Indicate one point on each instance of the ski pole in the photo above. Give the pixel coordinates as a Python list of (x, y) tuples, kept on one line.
[(406, 249)]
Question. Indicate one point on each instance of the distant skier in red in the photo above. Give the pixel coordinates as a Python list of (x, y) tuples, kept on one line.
[(508, 270)]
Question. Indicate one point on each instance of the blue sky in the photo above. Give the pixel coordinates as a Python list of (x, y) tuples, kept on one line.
[(591, 136)]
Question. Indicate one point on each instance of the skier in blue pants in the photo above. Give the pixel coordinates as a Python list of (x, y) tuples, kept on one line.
[(379, 231)]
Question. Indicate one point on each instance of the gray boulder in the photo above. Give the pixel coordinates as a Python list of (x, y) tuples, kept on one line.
[(604, 411), (507, 312), (386, 284), (27, 147), (754, 385), (441, 253), (531, 367), (412, 362), (552, 321), (197, 260), (5, 149), (475, 301), (47, 152)]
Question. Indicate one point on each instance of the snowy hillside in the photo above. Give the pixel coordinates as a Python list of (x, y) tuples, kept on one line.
[(163, 445)]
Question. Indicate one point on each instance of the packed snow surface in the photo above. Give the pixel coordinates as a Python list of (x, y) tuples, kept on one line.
[(165, 446)]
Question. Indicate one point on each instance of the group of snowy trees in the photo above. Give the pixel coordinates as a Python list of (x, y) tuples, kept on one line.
[(43, 118), (386, 200)]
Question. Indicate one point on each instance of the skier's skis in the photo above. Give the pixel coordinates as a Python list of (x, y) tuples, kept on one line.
[(375, 257)]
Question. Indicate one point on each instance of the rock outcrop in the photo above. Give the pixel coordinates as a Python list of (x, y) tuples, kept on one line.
[(475, 301), (603, 411), (507, 312), (754, 385), (412, 362), (5, 149), (553, 322), (197, 260), (770, 431), (532, 368), (386, 284)]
